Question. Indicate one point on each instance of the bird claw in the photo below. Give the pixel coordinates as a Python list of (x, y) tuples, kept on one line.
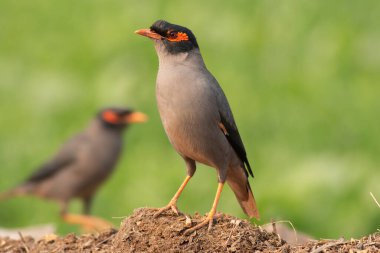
[(208, 221), (173, 207)]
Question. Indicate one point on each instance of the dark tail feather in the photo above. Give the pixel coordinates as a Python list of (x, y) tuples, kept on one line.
[(239, 184), (249, 206)]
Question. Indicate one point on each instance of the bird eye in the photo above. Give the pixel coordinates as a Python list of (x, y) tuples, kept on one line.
[(110, 117), (172, 34), (176, 36)]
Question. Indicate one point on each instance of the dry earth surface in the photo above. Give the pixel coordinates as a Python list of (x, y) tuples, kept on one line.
[(140, 232)]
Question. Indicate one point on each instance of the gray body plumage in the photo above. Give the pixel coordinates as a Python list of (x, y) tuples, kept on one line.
[(189, 101), (89, 159), (80, 166), (192, 105)]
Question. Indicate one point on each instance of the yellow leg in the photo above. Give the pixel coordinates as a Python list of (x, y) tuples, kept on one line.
[(173, 202), (88, 223), (210, 216)]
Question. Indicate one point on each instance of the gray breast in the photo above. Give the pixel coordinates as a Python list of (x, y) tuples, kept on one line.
[(188, 109)]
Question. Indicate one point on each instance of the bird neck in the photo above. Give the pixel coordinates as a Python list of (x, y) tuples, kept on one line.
[(99, 127), (193, 57)]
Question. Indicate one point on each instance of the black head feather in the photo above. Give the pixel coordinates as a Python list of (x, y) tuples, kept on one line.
[(112, 116), (166, 30)]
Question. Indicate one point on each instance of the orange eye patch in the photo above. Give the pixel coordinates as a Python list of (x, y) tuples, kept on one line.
[(110, 117), (176, 37)]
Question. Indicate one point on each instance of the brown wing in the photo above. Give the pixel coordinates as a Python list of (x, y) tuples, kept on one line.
[(233, 137), (227, 120), (65, 157)]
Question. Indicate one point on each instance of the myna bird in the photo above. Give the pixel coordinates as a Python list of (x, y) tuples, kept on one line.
[(197, 117), (82, 164)]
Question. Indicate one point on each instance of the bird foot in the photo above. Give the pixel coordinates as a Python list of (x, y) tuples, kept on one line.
[(172, 206), (209, 220), (206, 221), (88, 223)]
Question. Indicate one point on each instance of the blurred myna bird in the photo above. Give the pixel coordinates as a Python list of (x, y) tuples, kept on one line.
[(82, 164), (197, 117)]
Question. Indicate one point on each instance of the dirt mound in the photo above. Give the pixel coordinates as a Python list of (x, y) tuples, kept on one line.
[(142, 233), (368, 244), (52, 243)]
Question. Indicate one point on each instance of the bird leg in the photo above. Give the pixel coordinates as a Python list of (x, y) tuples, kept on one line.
[(173, 202), (87, 222), (87, 202), (210, 216)]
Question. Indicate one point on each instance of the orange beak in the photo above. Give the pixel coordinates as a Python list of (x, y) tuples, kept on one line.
[(136, 117), (149, 33)]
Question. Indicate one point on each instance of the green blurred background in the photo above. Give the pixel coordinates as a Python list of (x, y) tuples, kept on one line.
[(302, 78)]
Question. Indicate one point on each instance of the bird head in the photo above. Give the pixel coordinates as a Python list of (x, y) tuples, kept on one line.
[(175, 39), (120, 117)]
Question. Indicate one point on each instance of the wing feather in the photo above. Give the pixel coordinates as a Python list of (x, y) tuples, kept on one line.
[(66, 156), (230, 129)]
